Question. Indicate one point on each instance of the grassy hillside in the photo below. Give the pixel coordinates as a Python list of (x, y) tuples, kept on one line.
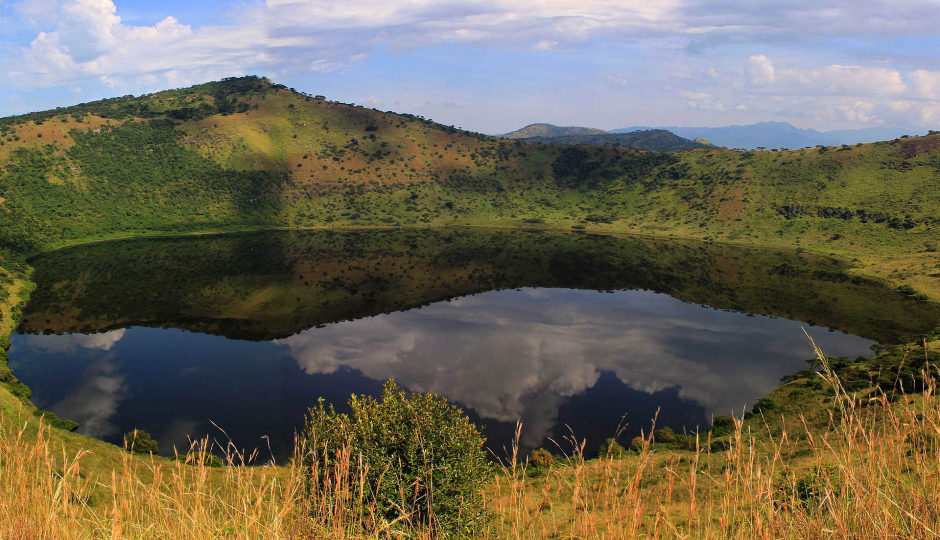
[(247, 153)]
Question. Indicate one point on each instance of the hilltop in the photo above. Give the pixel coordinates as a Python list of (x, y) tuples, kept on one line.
[(658, 140), (550, 130)]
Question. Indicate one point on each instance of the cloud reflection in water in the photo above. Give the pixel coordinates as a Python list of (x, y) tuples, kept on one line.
[(512, 355)]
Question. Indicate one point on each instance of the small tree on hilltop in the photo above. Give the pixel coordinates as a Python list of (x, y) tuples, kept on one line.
[(140, 442)]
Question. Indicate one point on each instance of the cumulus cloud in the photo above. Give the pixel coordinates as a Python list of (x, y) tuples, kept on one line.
[(826, 80), (521, 355), (760, 70), (926, 84)]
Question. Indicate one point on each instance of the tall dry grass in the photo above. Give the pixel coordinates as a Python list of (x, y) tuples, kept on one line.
[(874, 474)]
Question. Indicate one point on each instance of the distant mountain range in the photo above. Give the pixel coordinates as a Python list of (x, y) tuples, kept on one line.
[(762, 134), (645, 139), (780, 135)]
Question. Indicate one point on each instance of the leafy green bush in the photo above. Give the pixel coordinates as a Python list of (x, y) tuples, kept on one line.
[(764, 404), (206, 459), (722, 425), (140, 442), (53, 420), (541, 457), (814, 485), (637, 443), (415, 454), (664, 435), (19, 390), (611, 448)]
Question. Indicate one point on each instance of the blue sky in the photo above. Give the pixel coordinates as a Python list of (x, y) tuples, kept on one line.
[(496, 65)]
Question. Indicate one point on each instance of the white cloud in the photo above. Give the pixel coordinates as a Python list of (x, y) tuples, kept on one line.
[(926, 83), (760, 70), (827, 80), (79, 39)]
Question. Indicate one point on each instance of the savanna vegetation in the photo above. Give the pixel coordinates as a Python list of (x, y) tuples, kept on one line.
[(847, 449), (658, 140)]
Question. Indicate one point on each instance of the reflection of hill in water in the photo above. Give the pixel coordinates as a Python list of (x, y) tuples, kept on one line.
[(269, 285)]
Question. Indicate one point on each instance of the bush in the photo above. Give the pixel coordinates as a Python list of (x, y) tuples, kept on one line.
[(19, 390), (763, 405), (53, 420), (415, 454), (664, 435), (637, 443), (199, 457), (722, 425), (541, 457), (610, 448), (140, 442)]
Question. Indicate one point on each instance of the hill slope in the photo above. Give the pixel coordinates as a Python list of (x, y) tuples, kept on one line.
[(550, 130), (658, 140), (248, 153)]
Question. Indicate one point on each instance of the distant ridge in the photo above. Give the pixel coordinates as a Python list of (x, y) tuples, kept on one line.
[(658, 140), (779, 135), (549, 130)]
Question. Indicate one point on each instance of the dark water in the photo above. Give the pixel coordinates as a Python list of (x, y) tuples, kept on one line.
[(245, 332)]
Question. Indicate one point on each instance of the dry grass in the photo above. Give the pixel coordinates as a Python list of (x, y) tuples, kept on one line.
[(874, 474)]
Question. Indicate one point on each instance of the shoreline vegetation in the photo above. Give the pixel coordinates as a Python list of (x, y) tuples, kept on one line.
[(848, 449)]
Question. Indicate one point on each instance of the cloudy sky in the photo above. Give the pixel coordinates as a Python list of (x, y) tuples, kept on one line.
[(495, 65)]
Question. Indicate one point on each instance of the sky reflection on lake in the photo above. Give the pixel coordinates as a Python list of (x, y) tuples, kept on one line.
[(545, 356)]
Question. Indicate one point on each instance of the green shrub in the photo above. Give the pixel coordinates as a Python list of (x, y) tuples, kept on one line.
[(637, 443), (763, 405), (610, 448), (415, 454), (812, 486), (664, 435), (53, 420), (19, 390), (685, 442), (206, 459), (541, 457), (140, 442), (722, 426)]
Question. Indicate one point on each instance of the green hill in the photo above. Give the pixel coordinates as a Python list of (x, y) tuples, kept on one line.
[(551, 130), (658, 140), (246, 153)]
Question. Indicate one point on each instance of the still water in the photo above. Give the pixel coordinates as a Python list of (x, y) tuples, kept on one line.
[(235, 336)]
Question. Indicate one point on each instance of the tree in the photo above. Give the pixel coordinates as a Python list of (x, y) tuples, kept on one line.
[(417, 456), (140, 442)]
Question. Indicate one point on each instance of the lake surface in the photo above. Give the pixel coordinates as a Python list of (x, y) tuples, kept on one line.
[(187, 337)]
